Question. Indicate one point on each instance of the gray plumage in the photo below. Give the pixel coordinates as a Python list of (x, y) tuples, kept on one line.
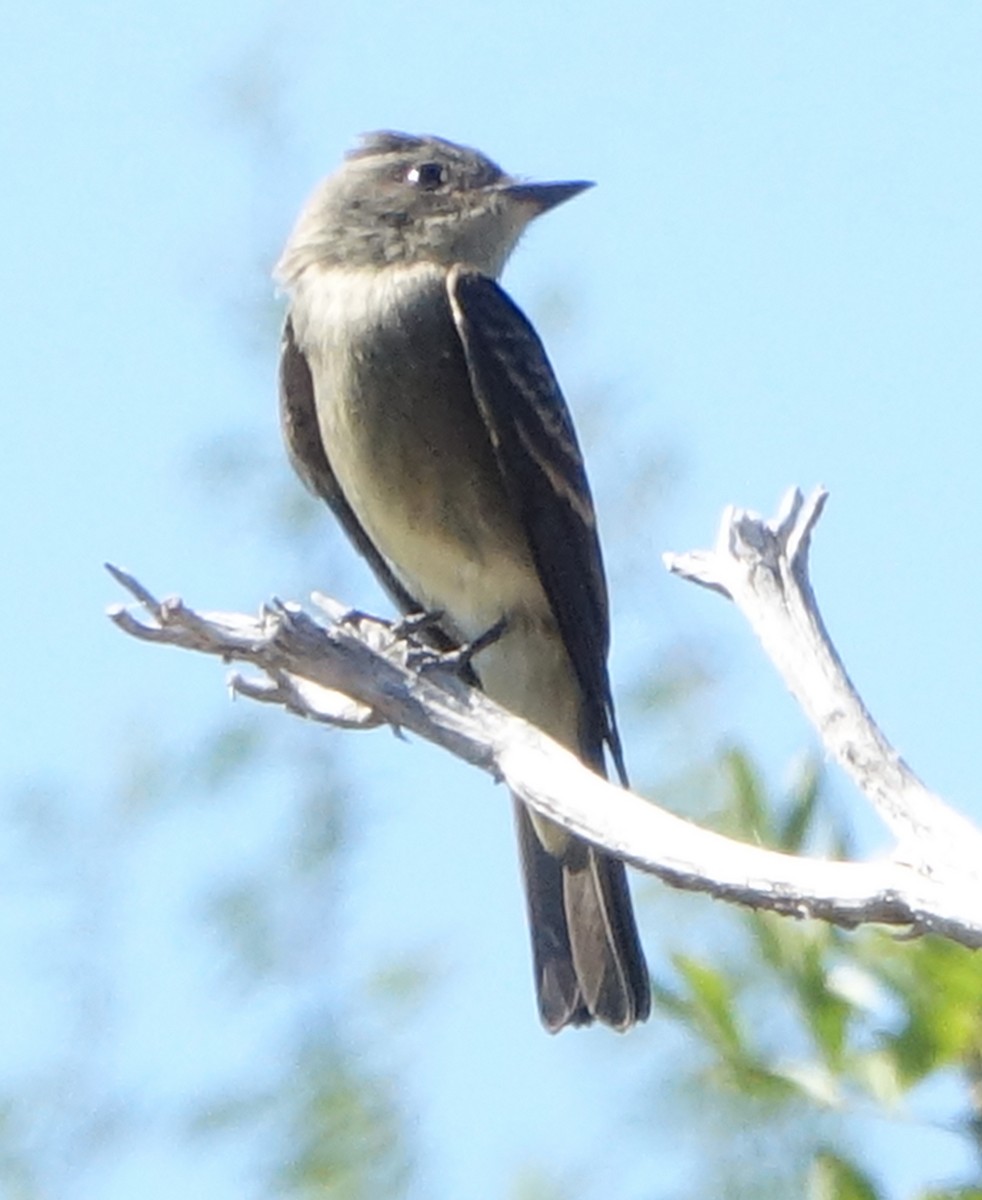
[(418, 401)]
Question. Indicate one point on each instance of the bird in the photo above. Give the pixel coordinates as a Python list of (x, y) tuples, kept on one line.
[(417, 400)]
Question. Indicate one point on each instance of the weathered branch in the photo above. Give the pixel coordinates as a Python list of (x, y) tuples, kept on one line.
[(356, 671), (763, 567)]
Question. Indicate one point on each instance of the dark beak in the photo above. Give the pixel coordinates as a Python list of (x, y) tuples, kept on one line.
[(543, 196)]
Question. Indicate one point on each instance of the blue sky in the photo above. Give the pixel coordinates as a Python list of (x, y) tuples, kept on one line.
[(777, 282)]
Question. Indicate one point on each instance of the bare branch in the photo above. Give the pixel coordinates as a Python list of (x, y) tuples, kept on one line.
[(357, 671), (762, 566)]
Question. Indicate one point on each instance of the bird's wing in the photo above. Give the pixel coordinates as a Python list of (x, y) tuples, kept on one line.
[(533, 438), (301, 431)]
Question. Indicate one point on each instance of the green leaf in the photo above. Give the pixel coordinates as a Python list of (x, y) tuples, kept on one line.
[(749, 803), (825, 1012), (940, 986), (815, 1082), (796, 824), (711, 1004), (878, 1073), (833, 1177), (802, 957)]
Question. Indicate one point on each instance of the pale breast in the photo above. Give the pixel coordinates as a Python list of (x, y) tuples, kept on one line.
[(406, 442)]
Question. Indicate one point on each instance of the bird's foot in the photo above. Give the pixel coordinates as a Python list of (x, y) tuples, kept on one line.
[(461, 660), (415, 623)]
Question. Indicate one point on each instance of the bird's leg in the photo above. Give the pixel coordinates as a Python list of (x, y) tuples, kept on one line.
[(488, 638), (461, 660)]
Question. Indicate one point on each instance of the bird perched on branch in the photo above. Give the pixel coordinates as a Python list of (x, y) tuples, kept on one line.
[(418, 401)]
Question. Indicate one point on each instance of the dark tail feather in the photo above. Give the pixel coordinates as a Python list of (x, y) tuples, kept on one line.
[(587, 957)]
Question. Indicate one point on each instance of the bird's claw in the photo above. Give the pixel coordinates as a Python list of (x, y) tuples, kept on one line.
[(417, 622), (461, 659)]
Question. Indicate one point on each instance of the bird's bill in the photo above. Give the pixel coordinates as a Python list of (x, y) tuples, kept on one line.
[(543, 196)]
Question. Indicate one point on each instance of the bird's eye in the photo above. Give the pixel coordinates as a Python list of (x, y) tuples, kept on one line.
[(428, 175)]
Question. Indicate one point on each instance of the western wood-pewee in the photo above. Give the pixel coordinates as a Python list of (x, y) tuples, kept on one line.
[(418, 402)]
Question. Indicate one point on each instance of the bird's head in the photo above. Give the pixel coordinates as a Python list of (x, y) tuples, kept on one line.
[(401, 199)]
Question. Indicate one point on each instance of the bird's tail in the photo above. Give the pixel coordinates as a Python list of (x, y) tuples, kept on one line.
[(588, 961)]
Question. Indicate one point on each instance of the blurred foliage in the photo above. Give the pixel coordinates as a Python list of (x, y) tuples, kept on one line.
[(802, 1020), (797, 1034), (310, 1113)]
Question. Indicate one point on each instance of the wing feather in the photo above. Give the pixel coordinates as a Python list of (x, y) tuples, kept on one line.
[(540, 461)]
